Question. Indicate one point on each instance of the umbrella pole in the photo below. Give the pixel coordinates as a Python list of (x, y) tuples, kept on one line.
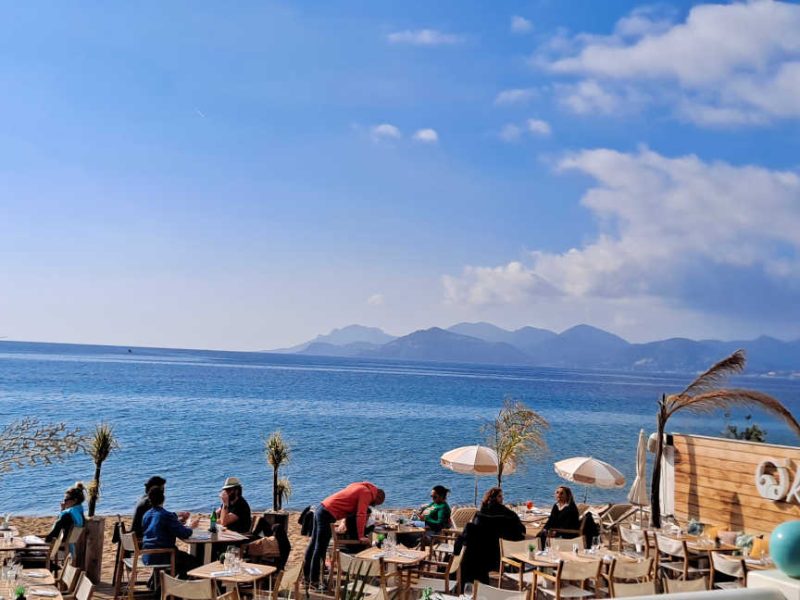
[(476, 490)]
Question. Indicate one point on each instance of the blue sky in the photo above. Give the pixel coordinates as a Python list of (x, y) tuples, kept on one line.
[(246, 176)]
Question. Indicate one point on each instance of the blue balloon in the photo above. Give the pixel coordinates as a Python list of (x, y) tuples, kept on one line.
[(784, 547)]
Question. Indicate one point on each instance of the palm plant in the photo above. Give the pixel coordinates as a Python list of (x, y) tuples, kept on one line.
[(701, 396), (284, 491), (102, 444), (514, 434), (277, 453)]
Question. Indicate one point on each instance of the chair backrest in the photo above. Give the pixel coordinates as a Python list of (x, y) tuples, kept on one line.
[(507, 547), (631, 569), (85, 589), (624, 590), (564, 544), (676, 586), (74, 535), (487, 592), (53, 553), (633, 537), (69, 576), (358, 567), (197, 589), (463, 515), (615, 512), (729, 565), (128, 541), (579, 570), (673, 547), (290, 577)]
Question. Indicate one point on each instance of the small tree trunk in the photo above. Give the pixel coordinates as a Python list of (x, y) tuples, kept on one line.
[(95, 528), (655, 484), (96, 491), (275, 489)]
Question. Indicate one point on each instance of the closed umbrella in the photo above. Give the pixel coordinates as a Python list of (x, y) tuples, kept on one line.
[(473, 460), (638, 492), (589, 471)]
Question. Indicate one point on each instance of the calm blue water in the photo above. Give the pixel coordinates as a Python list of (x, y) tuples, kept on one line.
[(196, 417)]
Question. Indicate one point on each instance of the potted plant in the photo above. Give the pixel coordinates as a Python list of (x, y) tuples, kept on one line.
[(19, 592), (531, 550)]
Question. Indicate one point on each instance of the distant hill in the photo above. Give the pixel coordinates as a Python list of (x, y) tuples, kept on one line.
[(579, 347), (439, 345), (352, 334)]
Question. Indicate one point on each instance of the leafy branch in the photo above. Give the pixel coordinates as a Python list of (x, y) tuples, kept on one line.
[(28, 443)]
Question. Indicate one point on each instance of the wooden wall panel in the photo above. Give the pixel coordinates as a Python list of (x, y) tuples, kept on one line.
[(715, 483)]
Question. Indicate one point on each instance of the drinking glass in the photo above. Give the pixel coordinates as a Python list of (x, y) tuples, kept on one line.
[(595, 544), (467, 590)]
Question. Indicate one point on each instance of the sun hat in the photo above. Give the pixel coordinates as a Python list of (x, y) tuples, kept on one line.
[(231, 482)]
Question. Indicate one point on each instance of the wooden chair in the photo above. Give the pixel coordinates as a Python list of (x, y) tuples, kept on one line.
[(356, 574), (131, 564), (288, 581), (679, 586), (42, 556), (68, 579), (339, 543), (625, 590), (192, 589), (460, 517), (442, 545), (634, 541), (673, 557), (84, 589), (732, 566), (570, 579), (563, 544), (622, 574), (441, 576), (71, 543), (486, 592), (517, 573)]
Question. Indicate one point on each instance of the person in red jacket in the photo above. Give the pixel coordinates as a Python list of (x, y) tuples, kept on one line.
[(354, 500)]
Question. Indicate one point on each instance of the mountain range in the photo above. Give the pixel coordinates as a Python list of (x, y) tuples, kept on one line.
[(580, 347)]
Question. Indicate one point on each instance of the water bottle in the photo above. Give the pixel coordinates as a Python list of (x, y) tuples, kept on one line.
[(212, 525)]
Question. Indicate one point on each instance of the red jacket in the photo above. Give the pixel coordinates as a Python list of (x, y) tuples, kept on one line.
[(355, 499)]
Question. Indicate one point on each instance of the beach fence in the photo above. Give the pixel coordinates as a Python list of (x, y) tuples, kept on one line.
[(736, 484)]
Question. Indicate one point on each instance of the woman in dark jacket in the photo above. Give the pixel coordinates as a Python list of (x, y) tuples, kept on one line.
[(564, 514), (494, 521)]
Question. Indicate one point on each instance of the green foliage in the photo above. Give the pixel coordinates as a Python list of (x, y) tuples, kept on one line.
[(284, 491), (750, 433), (278, 452), (28, 443), (101, 445), (515, 434)]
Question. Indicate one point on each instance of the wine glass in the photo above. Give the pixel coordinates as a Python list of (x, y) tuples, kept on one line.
[(467, 590), (595, 544)]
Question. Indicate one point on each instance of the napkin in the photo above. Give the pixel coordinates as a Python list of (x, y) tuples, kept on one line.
[(48, 593), (252, 570), (35, 575), (33, 539), (378, 555), (201, 536), (222, 573)]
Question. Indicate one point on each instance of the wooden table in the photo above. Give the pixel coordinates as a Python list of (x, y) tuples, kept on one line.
[(12, 543), (52, 592), (403, 559), (551, 560), (205, 539), (37, 577), (216, 572)]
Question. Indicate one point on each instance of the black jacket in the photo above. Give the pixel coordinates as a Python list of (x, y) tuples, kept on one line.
[(482, 539)]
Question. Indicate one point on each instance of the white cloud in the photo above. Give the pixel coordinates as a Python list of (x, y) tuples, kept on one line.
[(426, 136), (520, 24), (671, 231), (538, 127), (376, 300), (424, 37), (735, 63), (510, 132), (515, 96), (385, 131)]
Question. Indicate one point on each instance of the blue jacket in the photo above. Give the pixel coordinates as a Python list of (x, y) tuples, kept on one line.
[(161, 528)]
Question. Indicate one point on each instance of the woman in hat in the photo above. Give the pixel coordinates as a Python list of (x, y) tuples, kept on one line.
[(234, 512)]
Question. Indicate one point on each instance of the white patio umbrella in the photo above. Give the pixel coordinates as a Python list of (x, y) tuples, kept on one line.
[(638, 492), (473, 460), (589, 471)]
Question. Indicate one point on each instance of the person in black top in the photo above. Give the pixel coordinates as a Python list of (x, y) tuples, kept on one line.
[(144, 503), (494, 521), (564, 514), (234, 513)]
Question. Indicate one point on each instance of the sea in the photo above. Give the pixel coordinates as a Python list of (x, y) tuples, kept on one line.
[(196, 417)]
